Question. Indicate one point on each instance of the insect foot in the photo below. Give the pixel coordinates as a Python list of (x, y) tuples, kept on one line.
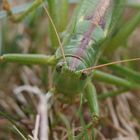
[(95, 119)]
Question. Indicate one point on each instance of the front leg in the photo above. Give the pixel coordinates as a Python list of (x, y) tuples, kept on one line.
[(90, 93), (30, 59)]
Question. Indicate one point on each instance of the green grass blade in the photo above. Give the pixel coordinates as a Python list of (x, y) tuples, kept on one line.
[(85, 134), (123, 33), (11, 120), (53, 14), (80, 136), (67, 124), (20, 133), (111, 79), (119, 6), (62, 15), (124, 71), (111, 94), (59, 12)]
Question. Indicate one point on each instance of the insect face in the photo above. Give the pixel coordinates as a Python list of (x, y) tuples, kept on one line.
[(67, 81)]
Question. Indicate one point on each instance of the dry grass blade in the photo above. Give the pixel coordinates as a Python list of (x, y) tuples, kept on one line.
[(36, 130)]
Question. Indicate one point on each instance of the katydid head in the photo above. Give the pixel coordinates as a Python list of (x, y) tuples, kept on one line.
[(67, 81)]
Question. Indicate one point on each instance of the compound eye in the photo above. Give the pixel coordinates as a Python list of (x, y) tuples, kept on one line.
[(59, 68), (83, 76)]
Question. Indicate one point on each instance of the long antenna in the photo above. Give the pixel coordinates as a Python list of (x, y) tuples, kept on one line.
[(54, 27), (108, 64)]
